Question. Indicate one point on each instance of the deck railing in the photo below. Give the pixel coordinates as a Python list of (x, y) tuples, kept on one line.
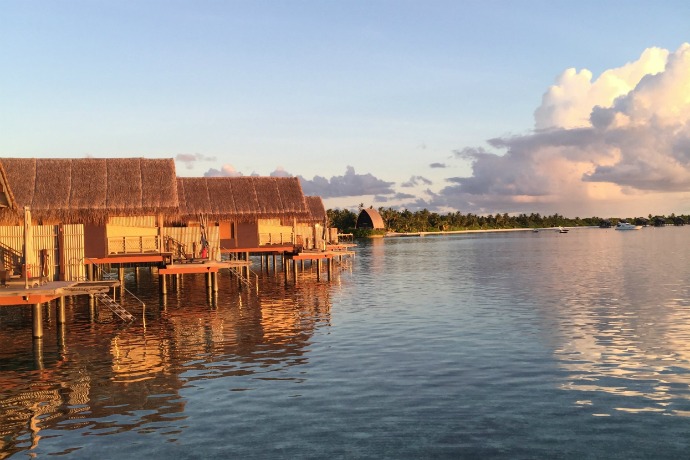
[(267, 239), (132, 244)]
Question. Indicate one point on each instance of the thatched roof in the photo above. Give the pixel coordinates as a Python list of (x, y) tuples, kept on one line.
[(370, 218), (91, 189), (6, 196), (316, 208), (241, 198)]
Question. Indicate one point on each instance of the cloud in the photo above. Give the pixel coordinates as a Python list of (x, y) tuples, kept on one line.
[(350, 184), (280, 172), (394, 198), (226, 170), (438, 165), (596, 145), (416, 180), (188, 159)]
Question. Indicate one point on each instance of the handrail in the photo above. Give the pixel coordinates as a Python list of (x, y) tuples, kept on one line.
[(271, 238), (100, 270), (181, 247), (132, 244)]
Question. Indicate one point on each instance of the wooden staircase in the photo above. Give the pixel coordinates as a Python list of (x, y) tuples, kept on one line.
[(115, 307), (237, 271)]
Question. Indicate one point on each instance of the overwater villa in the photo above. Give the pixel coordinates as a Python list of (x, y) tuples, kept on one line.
[(253, 214), (86, 212), (61, 220)]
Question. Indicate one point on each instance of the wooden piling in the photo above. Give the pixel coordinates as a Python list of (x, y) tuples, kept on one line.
[(37, 316), (60, 307)]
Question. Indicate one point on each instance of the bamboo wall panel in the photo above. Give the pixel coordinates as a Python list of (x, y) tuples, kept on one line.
[(44, 237), (73, 252), (121, 230), (190, 237), (133, 221), (304, 235)]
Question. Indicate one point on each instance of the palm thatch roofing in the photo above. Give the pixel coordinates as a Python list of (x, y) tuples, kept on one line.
[(316, 208), (241, 198), (89, 190), (370, 218), (6, 196)]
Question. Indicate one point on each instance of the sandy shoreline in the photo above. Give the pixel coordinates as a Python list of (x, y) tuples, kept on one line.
[(455, 232)]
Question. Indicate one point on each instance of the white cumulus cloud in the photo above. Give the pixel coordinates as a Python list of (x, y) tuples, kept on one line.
[(621, 140)]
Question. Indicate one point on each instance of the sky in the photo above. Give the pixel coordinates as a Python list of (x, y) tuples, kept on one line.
[(576, 108)]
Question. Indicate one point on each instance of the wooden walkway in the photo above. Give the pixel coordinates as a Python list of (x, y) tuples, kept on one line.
[(14, 294)]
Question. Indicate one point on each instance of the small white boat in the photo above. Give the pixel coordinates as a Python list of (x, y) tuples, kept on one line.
[(627, 226), (562, 230)]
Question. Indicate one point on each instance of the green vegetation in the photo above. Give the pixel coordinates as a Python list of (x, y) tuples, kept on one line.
[(426, 221)]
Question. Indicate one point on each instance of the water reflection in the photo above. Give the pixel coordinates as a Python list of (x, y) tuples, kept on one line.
[(617, 313), (99, 377)]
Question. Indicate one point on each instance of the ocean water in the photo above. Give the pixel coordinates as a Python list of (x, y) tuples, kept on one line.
[(502, 345)]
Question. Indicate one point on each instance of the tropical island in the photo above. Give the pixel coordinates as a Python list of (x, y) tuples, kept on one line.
[(406, 221)]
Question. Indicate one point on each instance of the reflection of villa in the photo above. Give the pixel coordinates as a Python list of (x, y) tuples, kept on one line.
[(61, 220), (121, 382)]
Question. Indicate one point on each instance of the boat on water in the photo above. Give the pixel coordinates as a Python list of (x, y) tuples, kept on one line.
[(562, 230), (627, 226)]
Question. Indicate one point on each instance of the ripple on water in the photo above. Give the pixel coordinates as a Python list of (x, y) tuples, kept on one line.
[(492, 346)]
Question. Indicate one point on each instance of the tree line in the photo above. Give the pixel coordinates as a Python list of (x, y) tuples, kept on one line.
[(403, 221)]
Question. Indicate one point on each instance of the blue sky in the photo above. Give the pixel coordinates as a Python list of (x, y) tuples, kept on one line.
[(386, 103)]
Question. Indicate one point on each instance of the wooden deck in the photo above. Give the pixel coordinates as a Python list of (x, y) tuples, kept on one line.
[(13, 294), (200, 266), (317, 255)]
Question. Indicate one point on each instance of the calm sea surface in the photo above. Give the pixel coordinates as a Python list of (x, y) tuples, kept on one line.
[(504, 345)]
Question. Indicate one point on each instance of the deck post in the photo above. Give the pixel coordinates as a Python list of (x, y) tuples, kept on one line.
[(318, 269), (294, 271), (329, 261), (37, 316), (92, 307), (60, 307), (215, 282), (121, 275), (164, 288)]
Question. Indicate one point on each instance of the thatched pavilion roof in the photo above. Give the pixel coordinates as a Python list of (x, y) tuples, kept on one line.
[(316, 208), (89, 190), (370, 218), (241, 198)]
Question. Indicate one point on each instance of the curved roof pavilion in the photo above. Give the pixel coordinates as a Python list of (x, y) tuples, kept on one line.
[(370, 218)]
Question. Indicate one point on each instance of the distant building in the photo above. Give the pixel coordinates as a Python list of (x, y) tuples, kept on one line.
[(370, 218)]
